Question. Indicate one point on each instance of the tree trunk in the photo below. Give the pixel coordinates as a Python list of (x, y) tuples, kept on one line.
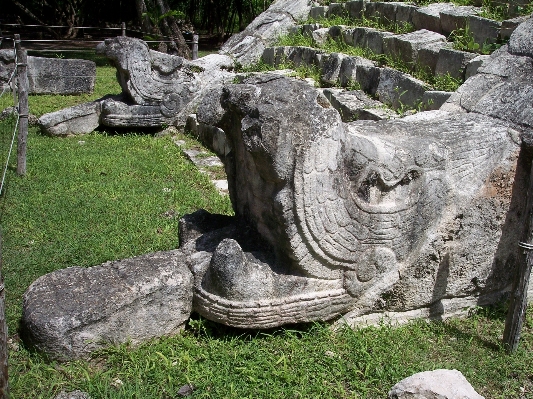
[(170, 28), (35, 18), (142, 16)]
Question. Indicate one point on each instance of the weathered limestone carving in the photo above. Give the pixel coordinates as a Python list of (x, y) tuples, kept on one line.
[(406, 217), (364, 212)]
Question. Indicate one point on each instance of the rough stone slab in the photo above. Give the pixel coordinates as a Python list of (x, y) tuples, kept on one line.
[(509, 26), (79, 119), (484, 30), (428, 55), (336, 32), (433, 99), (456, 18), (405, 12), (406, 46), (349, 67), (520, 41), (71, 312), (398, 89), (7, 66), (368, 78), (320, 36), (429, 17), (385, 12), (247, 46), (336, 9), (448, 384), (453, 62), (318, 12), (331, 67), (370, 38), (60, 76), (352, 104), (308, 29), (474, 64), (355, 9)]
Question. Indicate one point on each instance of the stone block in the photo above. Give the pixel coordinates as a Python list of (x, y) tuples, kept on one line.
[(352, 105), (71, 312), (274, 55), (520, 41), (368, 78), (484, 31), (474, 64), (336, 9), (318, 12), (60, 76), (453, 62), (348, 37), (371, 9), (374, 39), (433, 99), (320, 36), (308, 29), (405, 12), (349, 67), (369, 38), (456, 18), (331, 66), (386, 12), (7, 66), (336, 32), (406, 46), (399, 90), (429, 17), (428, 55), (509, 25), (355, 9), (303, 55), (79, 119)]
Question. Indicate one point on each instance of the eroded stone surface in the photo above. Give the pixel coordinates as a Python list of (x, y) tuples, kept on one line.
[(71, 312), (336, 202), (247, 46)]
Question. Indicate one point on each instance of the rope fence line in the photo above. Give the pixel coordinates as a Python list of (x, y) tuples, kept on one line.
[(123, 29), (10, 84)]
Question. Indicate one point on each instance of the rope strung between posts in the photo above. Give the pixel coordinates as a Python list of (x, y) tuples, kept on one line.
[(525, 245), (14, 131)]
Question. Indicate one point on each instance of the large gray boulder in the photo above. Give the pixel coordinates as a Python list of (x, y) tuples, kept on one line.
[(71, 312), (436, 384)]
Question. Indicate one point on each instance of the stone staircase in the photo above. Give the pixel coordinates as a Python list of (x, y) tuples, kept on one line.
[(428, 48)]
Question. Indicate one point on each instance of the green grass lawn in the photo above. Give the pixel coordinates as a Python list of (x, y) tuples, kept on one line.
[(90, 199)]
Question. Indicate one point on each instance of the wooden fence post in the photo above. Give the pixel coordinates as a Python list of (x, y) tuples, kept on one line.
[(22, 74), (518, 304), (195, 47), (124, 29), (4, 386)]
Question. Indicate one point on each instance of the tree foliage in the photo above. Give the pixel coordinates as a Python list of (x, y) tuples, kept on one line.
[(161, 19)]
